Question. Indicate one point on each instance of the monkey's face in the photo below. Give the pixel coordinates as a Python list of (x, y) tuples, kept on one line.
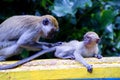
[(49, 27), (91, 38)]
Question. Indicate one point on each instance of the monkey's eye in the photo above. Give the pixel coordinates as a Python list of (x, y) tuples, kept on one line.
[(87, 37), (45, 21)]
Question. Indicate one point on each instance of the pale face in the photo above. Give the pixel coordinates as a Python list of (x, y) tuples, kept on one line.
[(48, 28), (91, 38)]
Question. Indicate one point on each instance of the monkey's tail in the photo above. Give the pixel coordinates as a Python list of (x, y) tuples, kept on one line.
[(10, 66)]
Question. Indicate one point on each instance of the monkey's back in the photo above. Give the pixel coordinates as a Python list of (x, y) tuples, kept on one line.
[(15, 26)]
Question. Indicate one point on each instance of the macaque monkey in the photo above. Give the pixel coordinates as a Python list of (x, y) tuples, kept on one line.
[(24, 31), (77, 50)]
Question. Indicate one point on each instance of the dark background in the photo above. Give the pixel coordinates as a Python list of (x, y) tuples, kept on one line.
[(75, 18)]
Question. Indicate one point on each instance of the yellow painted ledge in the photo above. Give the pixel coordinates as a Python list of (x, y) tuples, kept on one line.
[(107, 67)]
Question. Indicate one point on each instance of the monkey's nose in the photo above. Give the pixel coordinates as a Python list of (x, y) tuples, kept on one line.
[(97, 40)]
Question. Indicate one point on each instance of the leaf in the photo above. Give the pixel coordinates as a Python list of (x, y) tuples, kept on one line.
[(83, 3), (109, 31), (64, 7), (107, 17), (109, 28), (43, 3), (111, 36), (73, 20), (118, 45), (117, 20), (25, 53), (117, 23), (115, 3)]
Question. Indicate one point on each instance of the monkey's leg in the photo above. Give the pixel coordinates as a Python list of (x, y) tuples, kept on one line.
[(4, 45), (80, 59), (9, 51), (15, 49), (64, 55)]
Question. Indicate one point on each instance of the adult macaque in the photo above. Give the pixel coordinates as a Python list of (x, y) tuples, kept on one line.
[(24, 31), (77, 50)]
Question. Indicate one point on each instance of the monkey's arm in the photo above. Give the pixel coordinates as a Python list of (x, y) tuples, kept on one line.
[(26, 41), (97, 55), (27, 59), (80, 59)]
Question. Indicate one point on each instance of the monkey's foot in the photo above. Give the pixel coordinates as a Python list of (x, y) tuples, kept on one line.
[(2, 58), (89, 68)]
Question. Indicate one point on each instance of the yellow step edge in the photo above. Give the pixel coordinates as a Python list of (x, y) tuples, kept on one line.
[(107, 67)]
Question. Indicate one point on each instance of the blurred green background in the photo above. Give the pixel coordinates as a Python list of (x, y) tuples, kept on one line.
[(75, 18)]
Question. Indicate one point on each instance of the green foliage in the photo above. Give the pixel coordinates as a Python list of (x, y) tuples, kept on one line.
[(86, 15), (65, 7), (25, 53), (75, 18)]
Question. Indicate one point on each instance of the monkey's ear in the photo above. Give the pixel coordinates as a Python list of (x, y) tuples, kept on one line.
[(45, 21)]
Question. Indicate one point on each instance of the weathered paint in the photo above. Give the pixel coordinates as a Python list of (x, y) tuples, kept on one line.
[(108, 67)]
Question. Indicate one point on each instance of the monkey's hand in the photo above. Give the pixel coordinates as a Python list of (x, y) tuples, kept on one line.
[(98, 56), (89, 68), (56, 44)]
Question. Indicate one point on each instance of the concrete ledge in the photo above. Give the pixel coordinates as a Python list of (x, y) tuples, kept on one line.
[(107, 67)]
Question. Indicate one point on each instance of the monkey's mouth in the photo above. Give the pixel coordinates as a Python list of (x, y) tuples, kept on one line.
[(51, 34)]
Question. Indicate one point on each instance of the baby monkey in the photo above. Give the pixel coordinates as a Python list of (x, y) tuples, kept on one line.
[(79, 49), (73, 50)]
